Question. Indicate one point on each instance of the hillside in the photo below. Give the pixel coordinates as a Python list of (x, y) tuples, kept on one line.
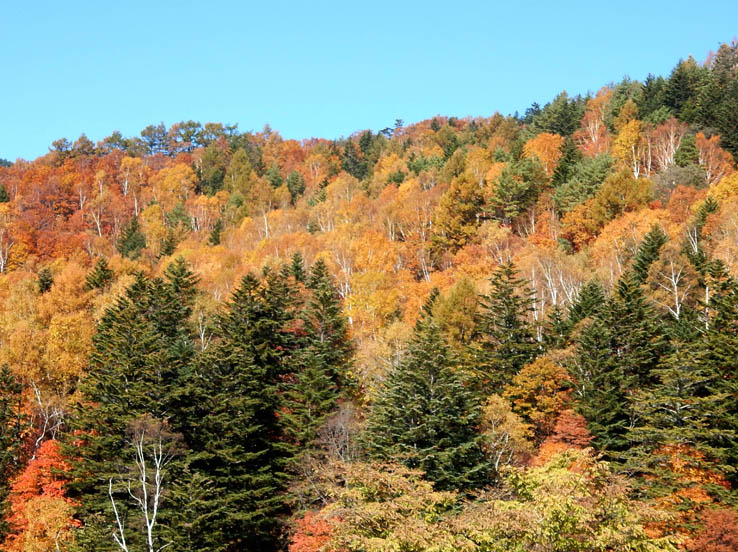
[(490, 333)]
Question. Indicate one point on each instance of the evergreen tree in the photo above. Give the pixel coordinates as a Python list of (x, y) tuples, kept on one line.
[(131, 241), (141, 350), (560, 116), (100, 276), (12, 425), (687, 153), (426, 418), (516, 189), (216, 232), (586, 178), (600, 395), (588, 303), (309, 397), (4, 197), (647, 253), (274, 176), (326, 325), (721, 344), (556, 329), (727, 118), (168, 244), (231, 405), (296, 185), (506, 336), (652, 96), (678, 420), (320, 367), (45, 280), (617, 354), (570, 158), (682, 89), (352, 162), (212, 169), (693, 245), (636, 337), (297, 268)]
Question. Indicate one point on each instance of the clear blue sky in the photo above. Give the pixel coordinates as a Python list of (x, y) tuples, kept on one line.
[(326, 69)]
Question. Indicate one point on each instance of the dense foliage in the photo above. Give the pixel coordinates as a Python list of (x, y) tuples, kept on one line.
[(480, 334)]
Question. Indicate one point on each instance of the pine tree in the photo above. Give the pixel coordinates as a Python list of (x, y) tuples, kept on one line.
[(693, 245), (426, 418), (687, 153), (637, 338), (274, 176), (100, 276), (216, 232), (141, 351), (310, 396), (721, 344), (506, 337), (570, 158), (45, 280), (4, 197), (320, 367), (678, 420), (326, 325), (352, 161), (648, 252), (131, 240), (600, 394), (588, 303), (297, 268), (295, 185), (12, 425), (168, 244), (556, 329), (231, 410)]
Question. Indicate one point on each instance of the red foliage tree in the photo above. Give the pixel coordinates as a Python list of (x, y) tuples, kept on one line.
[(313, 532), (40, 513)]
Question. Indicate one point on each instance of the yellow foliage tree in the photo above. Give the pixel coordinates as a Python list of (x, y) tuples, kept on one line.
[(547, 148)]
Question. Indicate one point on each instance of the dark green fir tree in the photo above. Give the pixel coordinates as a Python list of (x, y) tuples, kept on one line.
[(589, 302), (131, 241), (232, 416), (13, 423), (295, 185), (297, 268), (216, 232), (600, 388), (648, 253), (45, 280), (426, 417), (141, 351), (678, 421), (505, 334), (100, 276)]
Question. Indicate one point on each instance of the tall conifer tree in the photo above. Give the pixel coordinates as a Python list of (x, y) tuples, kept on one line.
[(426, 418), (505, 333)]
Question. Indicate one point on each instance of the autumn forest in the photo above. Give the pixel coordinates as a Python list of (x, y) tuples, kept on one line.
[(481, 334)]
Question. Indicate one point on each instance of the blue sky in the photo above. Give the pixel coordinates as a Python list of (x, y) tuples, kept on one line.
[(318, 68)]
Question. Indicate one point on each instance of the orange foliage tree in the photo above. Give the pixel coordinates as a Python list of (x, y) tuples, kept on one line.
[(312, 533), (719, 534), (547, 148)]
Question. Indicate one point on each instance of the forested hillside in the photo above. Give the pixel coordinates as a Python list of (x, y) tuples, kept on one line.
[(484, 334)]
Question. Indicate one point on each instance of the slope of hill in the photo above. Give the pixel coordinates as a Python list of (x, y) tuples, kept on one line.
[(269, 324)]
